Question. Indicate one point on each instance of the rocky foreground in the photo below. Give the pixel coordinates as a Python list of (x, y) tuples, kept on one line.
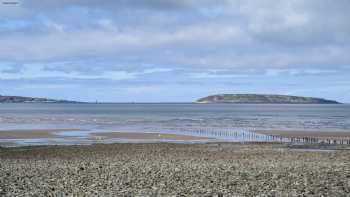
[(173, 170)]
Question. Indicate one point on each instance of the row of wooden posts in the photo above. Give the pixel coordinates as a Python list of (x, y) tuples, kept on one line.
[(251, 136), (315, 140), (231, 134)]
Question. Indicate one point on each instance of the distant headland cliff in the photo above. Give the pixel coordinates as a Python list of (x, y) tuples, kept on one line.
[(22, 99), (263, 99)]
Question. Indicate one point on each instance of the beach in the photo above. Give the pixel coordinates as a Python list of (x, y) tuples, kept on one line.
[(153, 98), (173, 150), (165, 169)]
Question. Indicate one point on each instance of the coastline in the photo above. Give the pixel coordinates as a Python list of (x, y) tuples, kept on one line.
[(141, 164)]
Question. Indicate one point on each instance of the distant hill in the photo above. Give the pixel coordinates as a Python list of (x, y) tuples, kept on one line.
[(21, 99), (263, 99)]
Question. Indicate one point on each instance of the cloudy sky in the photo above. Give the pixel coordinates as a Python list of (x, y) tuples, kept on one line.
[(174, 50)]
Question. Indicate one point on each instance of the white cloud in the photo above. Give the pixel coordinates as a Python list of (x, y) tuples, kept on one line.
[(34, 71), (278, 72)]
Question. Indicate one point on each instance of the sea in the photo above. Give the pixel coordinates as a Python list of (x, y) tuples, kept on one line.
[(174, 117)]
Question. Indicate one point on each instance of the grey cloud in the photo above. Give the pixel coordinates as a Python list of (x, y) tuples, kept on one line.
[(243, 35), (157, 4)]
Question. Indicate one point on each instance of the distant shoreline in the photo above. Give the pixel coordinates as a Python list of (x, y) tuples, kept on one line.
[(263, 99), (213, 99), (196, 103)]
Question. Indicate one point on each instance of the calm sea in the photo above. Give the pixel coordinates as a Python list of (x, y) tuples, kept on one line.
[(173, 117)]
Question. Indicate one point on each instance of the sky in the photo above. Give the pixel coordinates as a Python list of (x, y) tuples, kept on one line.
[(174, 50)]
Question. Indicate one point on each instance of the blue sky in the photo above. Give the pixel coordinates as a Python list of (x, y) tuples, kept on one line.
[(174, 50)]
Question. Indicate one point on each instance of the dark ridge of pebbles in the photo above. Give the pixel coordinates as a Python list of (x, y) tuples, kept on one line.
[(172, 170)]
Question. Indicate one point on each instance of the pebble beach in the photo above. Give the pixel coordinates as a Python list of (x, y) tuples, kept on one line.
[(166, 169)]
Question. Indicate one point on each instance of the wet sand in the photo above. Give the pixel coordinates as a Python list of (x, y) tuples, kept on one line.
[(306, 133), (145, 136), (163, 169), (76, 136), (31, 134)]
